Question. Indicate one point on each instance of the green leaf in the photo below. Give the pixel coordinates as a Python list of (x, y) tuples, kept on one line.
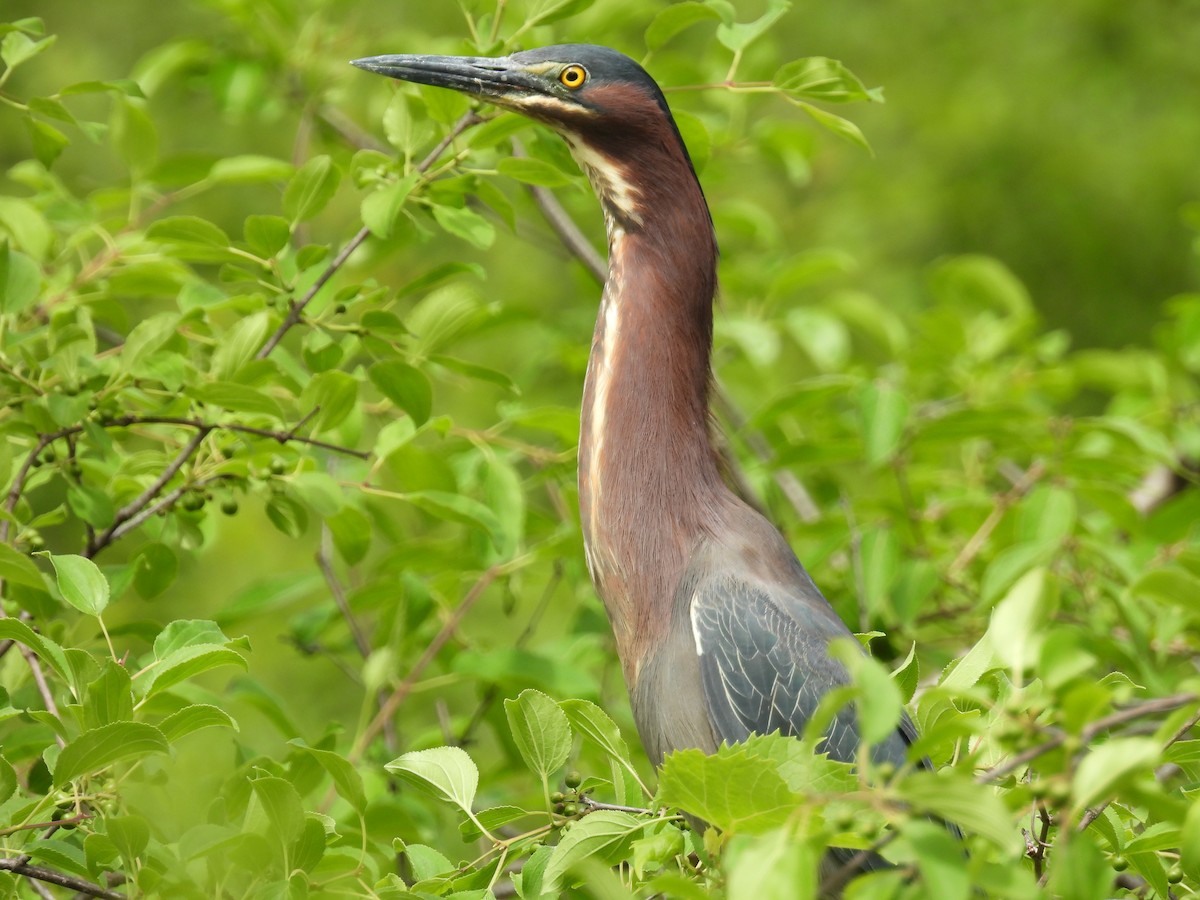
[(555, 10), (1189, 839), (466, 224), (731, 790), (843, 128), (249, 169), (194, 718), (287, 515), (878, 700), (189, 229), (18, 568), (596, 726), (238, 398), (13, 629), (99, 748), (129, 834), (187, 633), (673, 19), (953, 796), (80, 582), (1105, 766), (405, 386), (155, 570), (820, 78), (239, 344), (1172, 585), (48, 141), (447, 773), (773, 866), (266, 235), (109, 698), (351, 531), (318, 491), (605, 833), (884, 413), (457, 508), (740, 35), (20, 280), (381, 208), (335, 394), (185, 663), (349, 783), (17, 47), (940, 858), (532, 171), (310, 189), (540, 730), (1015, 631), (281, 804), (134, 135), (8, 780)]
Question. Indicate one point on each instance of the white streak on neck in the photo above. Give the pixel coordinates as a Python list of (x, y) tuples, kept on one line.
[(608, 181)]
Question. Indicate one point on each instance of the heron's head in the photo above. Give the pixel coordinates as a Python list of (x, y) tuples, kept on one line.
[(610, 111)]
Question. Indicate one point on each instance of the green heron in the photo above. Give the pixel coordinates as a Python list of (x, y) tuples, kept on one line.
[(720, 630)]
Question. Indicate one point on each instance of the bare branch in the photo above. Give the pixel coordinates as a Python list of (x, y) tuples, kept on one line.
[(297, 309), (972, 547), (402, 690), (19, 867)]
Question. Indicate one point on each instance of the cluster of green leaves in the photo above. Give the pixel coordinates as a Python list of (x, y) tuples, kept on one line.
[(181, 332)]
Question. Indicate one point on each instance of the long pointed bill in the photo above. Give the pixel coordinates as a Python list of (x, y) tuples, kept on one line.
[(500, 79)]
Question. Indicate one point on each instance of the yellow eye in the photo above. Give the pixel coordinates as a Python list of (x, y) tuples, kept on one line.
[(573, 77)]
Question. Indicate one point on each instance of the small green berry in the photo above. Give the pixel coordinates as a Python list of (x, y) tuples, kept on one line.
[(48, 455), (278, 467), (570, 809), (229, 506), (1175, 874), (192, 502), (573, 780), (1120, 863), (558, 797), (560, 808), (340, 308)]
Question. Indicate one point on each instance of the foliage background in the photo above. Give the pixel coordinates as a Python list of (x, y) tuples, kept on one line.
[(964, 425)]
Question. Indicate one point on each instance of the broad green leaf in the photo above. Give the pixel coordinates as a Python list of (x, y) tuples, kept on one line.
[(351, 531), (17, 47), (287, 515), (192, 229), (673, 19), (310, 189), (281, 805), (18, 568), (130, 835), (878, 702), (958, 799), (187, 633), (99, 748), (333, 394), (466, 224), (884, 413), (381, 208), (1015, 631), (80, 582), (109, 698), (1046, 515), (20, 280), (593, 723), (532, 171), (445, 772), (1189, 840), (731, 790), (62, 855), (194, 718), (349, 783), (425, 861), (1100, 771), (146, 338), (8, 780), (1172, 585), (941, 859), (547, 11), (319, 491), (134, 134), (540, 730), (238, 398), (495, 819), (249, 169), (773, 866), (843, 128), (13, 629), (821, 78), (185, 663), (405, 386), (739, 35), (155, 570), (266, 236), (239, 344), (457, 508), (605, 833), (48, 141)]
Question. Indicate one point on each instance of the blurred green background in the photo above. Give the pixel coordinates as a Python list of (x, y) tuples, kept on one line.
[(1062, 138)]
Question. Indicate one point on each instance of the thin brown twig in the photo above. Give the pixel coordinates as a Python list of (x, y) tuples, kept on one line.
[(325, 564), (1129, 714), (1096, 811), (296, 311), (50, 876), (972, 547), (398, 696)]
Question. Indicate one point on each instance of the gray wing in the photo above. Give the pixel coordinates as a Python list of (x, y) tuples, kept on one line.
[(764, 662)]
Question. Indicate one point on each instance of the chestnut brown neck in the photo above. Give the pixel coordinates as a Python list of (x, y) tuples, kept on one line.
[(649, 483)]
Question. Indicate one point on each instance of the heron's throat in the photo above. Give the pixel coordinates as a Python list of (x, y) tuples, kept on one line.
[(619, 199)]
